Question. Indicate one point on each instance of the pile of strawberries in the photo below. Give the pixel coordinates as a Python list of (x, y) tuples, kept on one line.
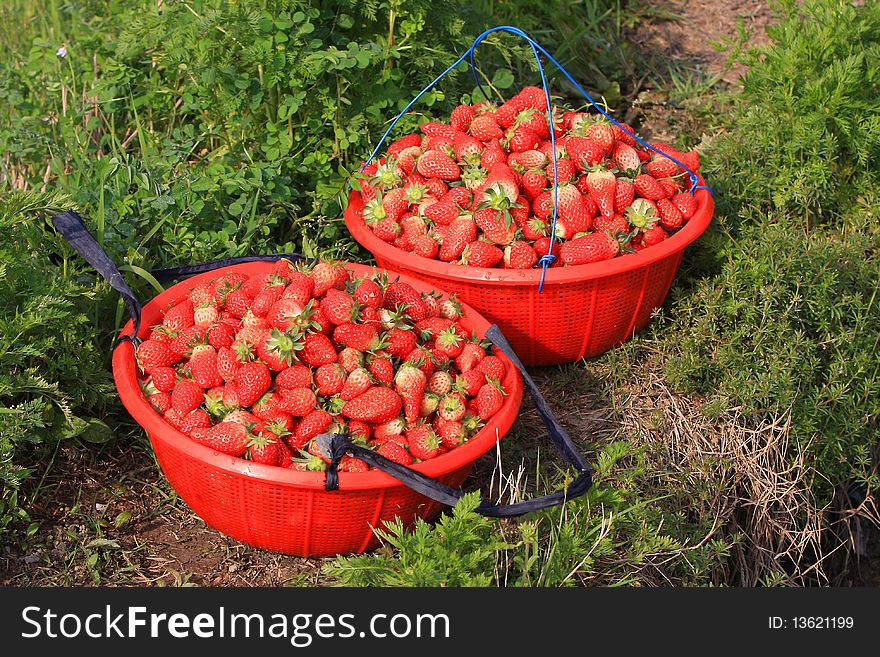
[(256, 367), (478, 190)]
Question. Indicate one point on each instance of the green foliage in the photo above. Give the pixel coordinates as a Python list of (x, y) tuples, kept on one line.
[(621, 533), (790, 322), (806, 134), (54, 381)]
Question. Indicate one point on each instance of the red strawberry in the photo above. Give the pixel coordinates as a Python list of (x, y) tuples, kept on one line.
[(422, 442), (572, 211), (278, 349), (295, 376), (404, 142), (186, 396), (469, 383), (179, 317), (660, 166), (377, 405), (329, 379), (356, 384), (367, 293), (602, 133), (498, 227), (588, 248), (220, 335), (584, 153), (521, 139), (163, 378), (318, 350), (493, 154), (485, 128), (316, 422), (410, 382), (653, 236), (227, 437), (153, 353), (624, 133), (394, 452), (565, 171), (197, 419), (205, 314), (436, 129), (533, 183), (263, 448), (461, 232), (437, 164), (327, 275), (203, 367), (362, 337), (359, 430), (338, 306), (489, 400), (685, 203), (482, 254), (399, 294), (624, 193), (382, 370), (451, 434), (299, 402), (471, 354), (614, 225), (670, 216), (425, 246), (390, 430), (237, 303), (493, 367), (160, 401), (626, 158), (251, 381), (602, 185), (461, 117), (648, 187)]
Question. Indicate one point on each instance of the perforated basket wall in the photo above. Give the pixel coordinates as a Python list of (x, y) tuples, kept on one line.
[(286, 510)]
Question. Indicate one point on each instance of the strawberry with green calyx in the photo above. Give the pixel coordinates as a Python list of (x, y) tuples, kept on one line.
[(422, 442), (203, 366), (452, 406), (449, 342), (403, 297), (603, 186), (429, 405), (327, 274), (488, 400), (361, 337), (278, 349), (642, 214), (627, 160), (493, 367), (450, 307), (471, 354), (469, 383), (388, 175), (205, 314), (307, 462), (263, 447)]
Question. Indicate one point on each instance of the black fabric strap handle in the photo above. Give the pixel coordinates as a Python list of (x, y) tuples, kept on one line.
[(335, 446), (72, 229)]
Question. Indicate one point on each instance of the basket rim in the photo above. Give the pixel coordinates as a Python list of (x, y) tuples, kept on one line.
[(158, 430), (692, 229)]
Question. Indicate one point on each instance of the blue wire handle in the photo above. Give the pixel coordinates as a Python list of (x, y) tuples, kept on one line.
[(548, 259)]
